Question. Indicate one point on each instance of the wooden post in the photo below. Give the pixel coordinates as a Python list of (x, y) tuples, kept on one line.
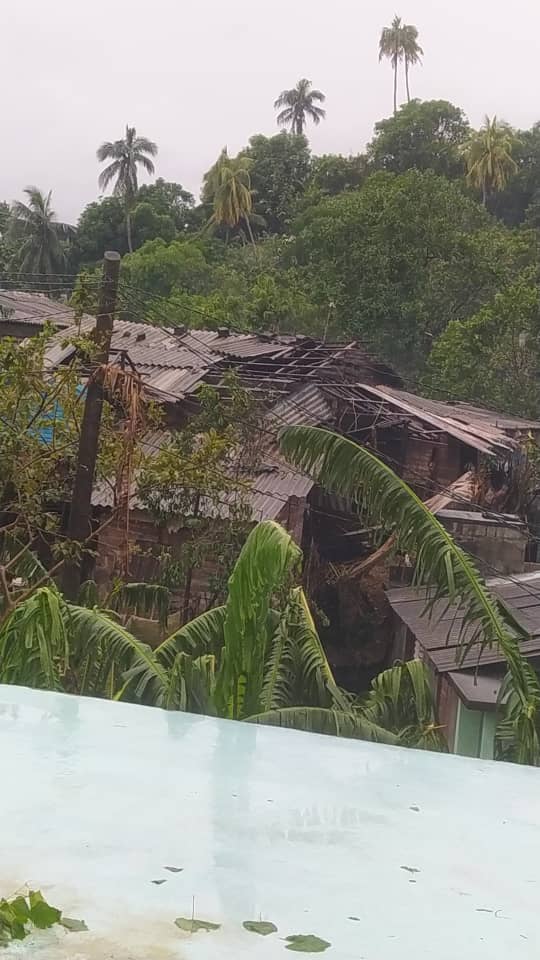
[(80, 516)]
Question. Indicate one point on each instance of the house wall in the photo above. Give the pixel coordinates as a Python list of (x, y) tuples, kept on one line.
[(10, 328), (496, 547), (447, 710), (146, 537), (428, 465)]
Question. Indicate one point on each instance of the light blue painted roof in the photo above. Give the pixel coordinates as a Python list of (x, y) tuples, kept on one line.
[(307, 831)]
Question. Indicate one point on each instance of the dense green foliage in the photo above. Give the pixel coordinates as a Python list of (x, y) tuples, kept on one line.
[(493, 356), (401, 258), (422, 135)]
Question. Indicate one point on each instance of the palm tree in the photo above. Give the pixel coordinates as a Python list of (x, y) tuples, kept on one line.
[(228, 183), (126, 155), (391, 48), (36, 225), (298, 105), (488, 157), (351, 471), (412, 51)]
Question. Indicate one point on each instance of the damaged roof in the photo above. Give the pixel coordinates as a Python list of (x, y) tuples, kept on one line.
[(173, 361), (485, 430)]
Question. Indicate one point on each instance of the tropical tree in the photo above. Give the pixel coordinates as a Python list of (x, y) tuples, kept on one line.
[(298, 105), (448, 573), (228, 182), (126, 156), (412, 51), (488, 157), (257, 658), (35, 224), (391, 48), (424, 135)]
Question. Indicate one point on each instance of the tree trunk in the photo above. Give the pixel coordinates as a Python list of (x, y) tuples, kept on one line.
[(189, 572), (250, 231), (407, 80), (395, 86), (128, 230)]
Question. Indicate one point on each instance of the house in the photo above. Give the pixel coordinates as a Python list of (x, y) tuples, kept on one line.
[(455, 455), (316, 834), (467, 684), (24, 314)]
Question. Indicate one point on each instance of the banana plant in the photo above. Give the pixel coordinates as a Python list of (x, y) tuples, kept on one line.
[(345, 468), (257, 658)]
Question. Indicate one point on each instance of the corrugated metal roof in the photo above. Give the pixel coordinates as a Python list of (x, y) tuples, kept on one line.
[(268, 489), (18, 306), (438, 634), (308, 405)]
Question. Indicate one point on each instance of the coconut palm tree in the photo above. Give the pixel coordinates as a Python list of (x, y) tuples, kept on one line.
[(391, 48), (412, 51), (488, 157), (349, 470), (298, 105), (35, 224), (126, 156), (228, 184)]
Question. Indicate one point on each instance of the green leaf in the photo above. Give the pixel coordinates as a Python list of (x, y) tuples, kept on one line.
[(42, 915), (264, 927), (191, 925), (21, 910), (74, 926), (266, 561), (174, 869), (307, 943)]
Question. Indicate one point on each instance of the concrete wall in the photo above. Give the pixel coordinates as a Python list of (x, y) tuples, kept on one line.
[(495, 546)]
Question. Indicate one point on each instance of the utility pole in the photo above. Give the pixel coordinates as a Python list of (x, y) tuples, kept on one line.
[(80, 516)]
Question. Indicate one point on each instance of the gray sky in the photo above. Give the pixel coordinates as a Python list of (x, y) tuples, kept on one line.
[(194, 75)]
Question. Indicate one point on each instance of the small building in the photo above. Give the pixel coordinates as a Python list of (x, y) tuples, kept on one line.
[(24, 314), (467, 687)]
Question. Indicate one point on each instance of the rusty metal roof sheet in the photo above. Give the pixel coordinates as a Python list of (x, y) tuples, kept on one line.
[(438, 635)]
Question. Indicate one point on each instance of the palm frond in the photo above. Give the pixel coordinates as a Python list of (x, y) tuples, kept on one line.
[(108, 174), (142, 599), (334, 722), (201, 636), (192, 684), (34, 649), (401, 700), (266, 560)]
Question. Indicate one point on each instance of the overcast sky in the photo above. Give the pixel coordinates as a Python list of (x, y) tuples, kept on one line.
[(194, 75)]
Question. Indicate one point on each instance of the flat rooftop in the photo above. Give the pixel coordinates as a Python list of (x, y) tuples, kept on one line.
[(434, 856)]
